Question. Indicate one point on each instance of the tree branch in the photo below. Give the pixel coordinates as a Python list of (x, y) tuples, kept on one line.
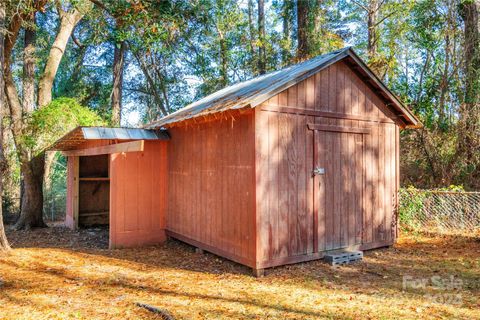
[(361, 5)]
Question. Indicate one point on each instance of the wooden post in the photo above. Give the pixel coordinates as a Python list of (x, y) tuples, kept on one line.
[(75, 190), (258, 273)]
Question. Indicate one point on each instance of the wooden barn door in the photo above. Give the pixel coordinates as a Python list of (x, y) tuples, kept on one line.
[(338, 188)]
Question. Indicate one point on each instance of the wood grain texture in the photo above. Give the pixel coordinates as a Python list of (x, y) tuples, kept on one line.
[(71, 217), (355, 139), (241, 185), (138, 188), (212, 173), (131, 146)]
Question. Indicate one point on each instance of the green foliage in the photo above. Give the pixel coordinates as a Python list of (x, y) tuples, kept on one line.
[(51, 122), (410, 205), (193, 48), (412, 202), (56, 195)]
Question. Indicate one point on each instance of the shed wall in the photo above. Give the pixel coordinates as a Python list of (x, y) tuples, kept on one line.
[(138, 186), (286, 191), (72, 195), (211, 179), (138, 189)]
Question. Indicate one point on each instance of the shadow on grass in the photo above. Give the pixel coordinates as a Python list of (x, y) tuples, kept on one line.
[(419, 255), (126, 284)]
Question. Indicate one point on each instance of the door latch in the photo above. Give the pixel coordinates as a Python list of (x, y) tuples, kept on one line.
[(318, 171)]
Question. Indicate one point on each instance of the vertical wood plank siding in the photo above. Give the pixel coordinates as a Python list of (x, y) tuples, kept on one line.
[(72, 193), (287, 207), (138, 190), (242, 187), (211, 202)]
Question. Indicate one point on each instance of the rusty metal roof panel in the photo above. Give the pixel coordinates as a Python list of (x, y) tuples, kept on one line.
[(90, 133), (253, 92), (81, 134)]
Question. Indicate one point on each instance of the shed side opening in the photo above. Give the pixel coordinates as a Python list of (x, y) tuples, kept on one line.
[(94, 191)]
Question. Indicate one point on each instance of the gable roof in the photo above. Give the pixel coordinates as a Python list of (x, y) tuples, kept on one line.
[(253, 92), (81, 134)]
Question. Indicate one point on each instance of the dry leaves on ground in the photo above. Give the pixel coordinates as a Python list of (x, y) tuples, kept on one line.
[(56, 273)]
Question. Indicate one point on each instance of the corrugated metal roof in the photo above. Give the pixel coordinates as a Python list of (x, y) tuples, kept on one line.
[(80, 134), (257, 90), (118, 133)]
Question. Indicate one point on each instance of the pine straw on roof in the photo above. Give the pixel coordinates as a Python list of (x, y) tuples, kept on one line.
[(59, 274)]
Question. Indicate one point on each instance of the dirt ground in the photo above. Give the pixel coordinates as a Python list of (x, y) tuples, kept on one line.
[(55, 273)]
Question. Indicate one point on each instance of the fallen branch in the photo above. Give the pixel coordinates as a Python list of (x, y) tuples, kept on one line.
[(163, 313)]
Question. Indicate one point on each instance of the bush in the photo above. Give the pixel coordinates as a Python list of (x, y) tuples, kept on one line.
[(48, 124), (413, 201)]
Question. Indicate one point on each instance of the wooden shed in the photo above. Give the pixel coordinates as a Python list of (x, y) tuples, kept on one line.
[(117, 177), (275, 170)]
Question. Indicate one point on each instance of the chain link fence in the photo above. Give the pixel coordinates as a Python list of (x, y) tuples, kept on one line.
[(54, 208), (451, 212)]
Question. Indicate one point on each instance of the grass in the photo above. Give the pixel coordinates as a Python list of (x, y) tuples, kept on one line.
[(59, 274)]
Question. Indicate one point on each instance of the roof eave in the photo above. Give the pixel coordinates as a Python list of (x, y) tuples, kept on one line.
[(411, 121)]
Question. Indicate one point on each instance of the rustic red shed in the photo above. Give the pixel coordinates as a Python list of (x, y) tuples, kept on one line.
[(117, 177), (275, 170)]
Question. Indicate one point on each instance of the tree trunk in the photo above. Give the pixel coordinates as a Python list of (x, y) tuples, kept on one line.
[(469, 123), (28, 78), (151, 83), (302, 30), (252, 36), (262, 63), (372, 16), (49, 158), (470, 11), (118, 67), (32, 200), (223, 62), (67, 24), (68, 21), (3, 239), (29, 67), (286, 26)]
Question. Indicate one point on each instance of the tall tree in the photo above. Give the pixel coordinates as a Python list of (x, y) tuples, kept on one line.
[(286, 45), (470, 109), (303, 49), (33, 166), (117, 90), (117, 10), (68, 20), (252, 34), (3, 239), (262, 56), (29, 63), (223, 49), (372, 9), (317, 28)]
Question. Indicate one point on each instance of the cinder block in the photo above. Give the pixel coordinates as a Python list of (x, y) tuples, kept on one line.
[(336, 258), (339, 263), (355, 255), (343, 257)]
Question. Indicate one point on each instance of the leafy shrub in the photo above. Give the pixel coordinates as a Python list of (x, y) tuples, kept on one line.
[(54, 120), (413, 201)]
